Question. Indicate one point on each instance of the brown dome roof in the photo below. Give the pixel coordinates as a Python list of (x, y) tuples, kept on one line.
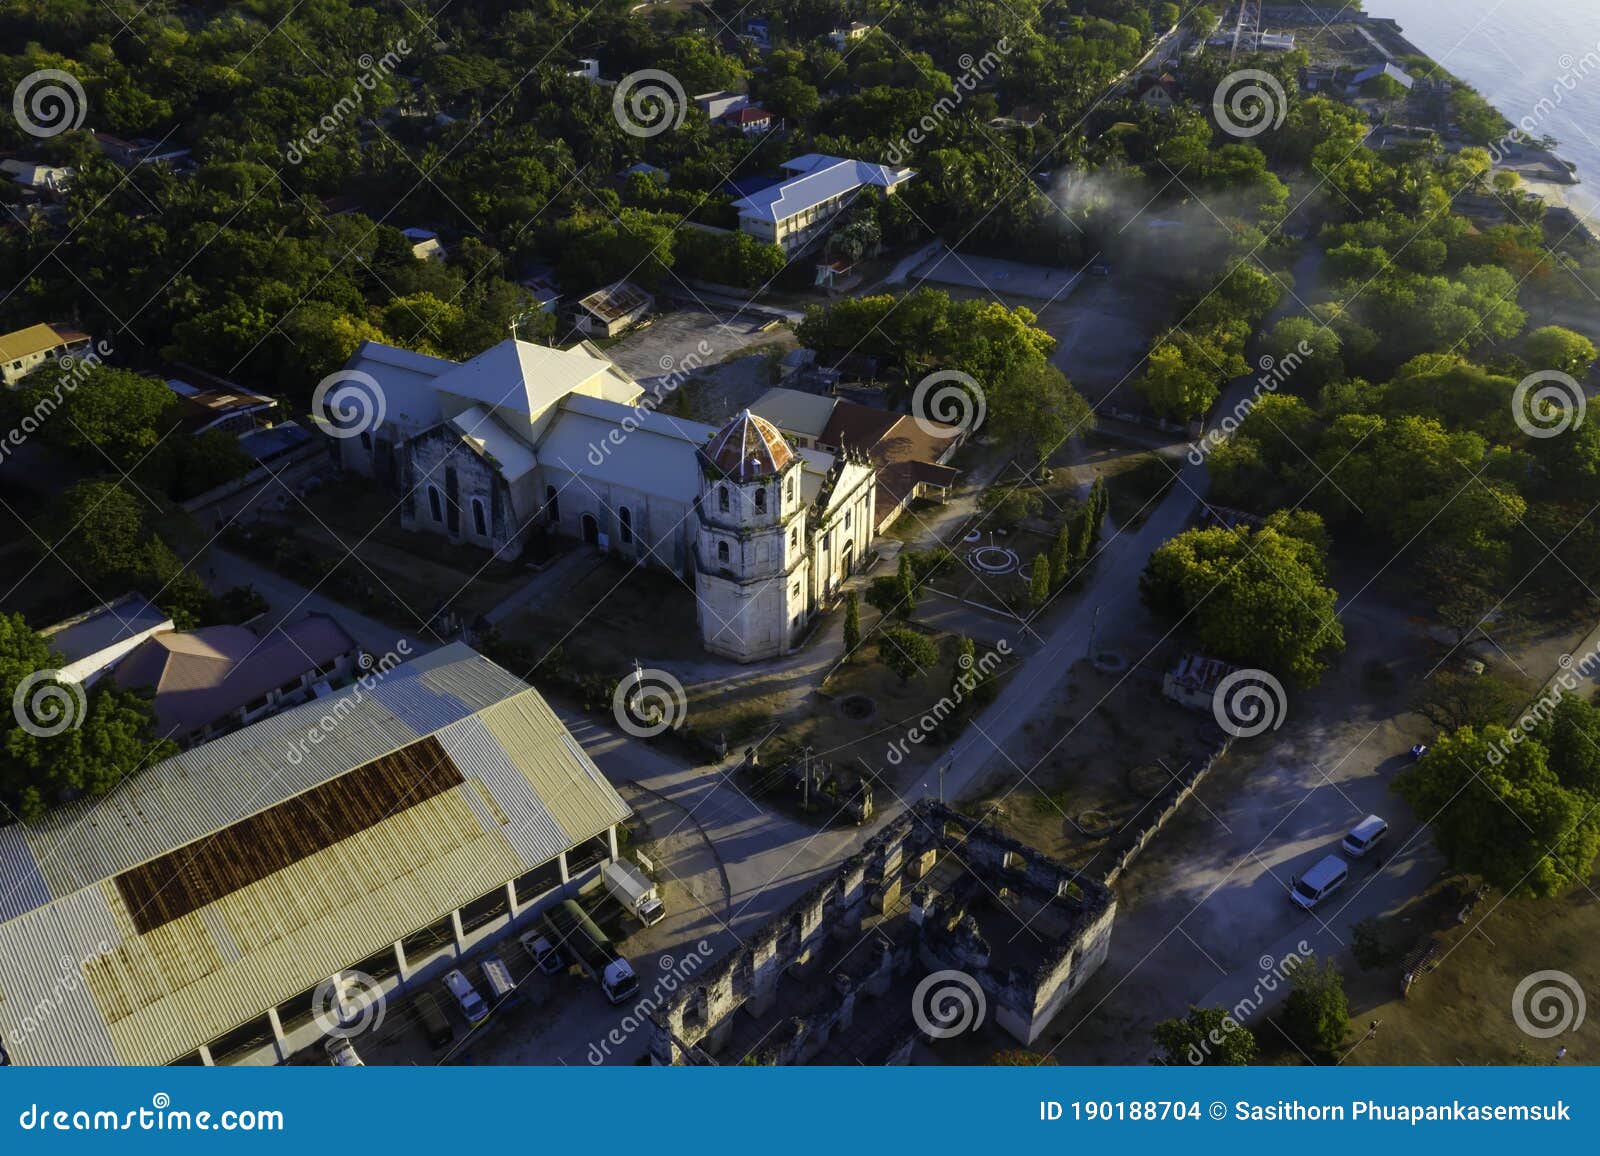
[(748, 447)]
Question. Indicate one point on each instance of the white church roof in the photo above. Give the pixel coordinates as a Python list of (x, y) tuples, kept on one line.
[(529, 379), (509, 452), (410, 400), (653, 454)]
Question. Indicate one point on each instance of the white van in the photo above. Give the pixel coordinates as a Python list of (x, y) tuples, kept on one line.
[(1321, 881), (1364, 836), (472, 1005)]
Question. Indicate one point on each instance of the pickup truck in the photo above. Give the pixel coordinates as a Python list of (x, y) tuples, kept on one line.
[(580, 937)]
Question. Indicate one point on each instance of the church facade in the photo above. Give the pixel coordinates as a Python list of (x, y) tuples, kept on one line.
[(524, 436)]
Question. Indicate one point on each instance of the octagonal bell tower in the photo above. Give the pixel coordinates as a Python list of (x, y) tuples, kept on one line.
[(752, 570)]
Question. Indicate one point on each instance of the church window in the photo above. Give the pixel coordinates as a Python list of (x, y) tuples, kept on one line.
[(761, 500), (722, 498), (552, 503), (722, 551), (479, 521), (435, 506), (625, 523)]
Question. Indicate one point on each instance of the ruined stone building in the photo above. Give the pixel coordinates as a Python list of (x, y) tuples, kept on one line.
[(936, 914)]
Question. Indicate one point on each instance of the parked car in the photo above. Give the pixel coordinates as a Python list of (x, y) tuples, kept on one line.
[(342, 1053), (1364, 836), (1321, 881), (435, 1025), (546, 956), (472, 1005)]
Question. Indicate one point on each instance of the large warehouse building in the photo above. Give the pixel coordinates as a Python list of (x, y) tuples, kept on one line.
[(190, 915)]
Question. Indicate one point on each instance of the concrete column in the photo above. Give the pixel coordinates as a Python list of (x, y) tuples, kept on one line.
[(566, 876), (456, 928), (400, 959), (205, 1057), (280, 1041), (611, 833), (511, 899)]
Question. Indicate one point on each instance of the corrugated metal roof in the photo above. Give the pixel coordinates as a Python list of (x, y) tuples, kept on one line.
[(154, 997)]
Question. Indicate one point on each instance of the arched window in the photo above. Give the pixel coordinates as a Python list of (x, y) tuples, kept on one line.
[(452, 499), (761, 500), (847, 519), (722, 499), (788, 489), (435, 506), (480, 521), (552, 503), (794, 539), (722, 551), (625, 523)]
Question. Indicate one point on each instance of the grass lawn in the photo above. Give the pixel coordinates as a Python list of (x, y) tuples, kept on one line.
[(1461, 1011)]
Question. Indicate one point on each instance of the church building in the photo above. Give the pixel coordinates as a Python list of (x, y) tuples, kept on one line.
[(523, 436)]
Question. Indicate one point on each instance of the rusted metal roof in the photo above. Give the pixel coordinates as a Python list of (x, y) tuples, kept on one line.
[(238, 874)]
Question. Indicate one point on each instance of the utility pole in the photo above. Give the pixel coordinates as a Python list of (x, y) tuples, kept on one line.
[(805, 769), (942, 768)]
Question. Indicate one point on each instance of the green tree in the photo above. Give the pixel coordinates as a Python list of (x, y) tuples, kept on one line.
[(1250, 596), (1316, 1015), (75, 742), (1039, 582), (906, 652), (1553, 347), (1206, 1036), (852, 623), (1451, 700), (1499, 809), (908, 586)]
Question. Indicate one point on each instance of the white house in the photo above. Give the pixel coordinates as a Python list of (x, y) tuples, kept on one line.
[(523, 436), (794, 212)]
